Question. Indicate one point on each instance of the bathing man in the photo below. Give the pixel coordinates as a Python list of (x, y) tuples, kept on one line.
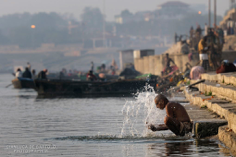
[(177, 119)]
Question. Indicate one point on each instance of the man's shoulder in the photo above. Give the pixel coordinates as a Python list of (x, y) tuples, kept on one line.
[(170, 104)]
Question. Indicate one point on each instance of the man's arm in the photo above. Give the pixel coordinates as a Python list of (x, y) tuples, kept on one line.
[(158, 128), (172, 61)]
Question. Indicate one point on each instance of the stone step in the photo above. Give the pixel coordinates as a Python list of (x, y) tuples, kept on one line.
[(223, 78), (205, 123), (228, 138), (223, 91), (223, 108)]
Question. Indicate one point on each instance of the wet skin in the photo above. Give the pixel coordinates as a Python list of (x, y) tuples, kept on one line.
[(175, 113)]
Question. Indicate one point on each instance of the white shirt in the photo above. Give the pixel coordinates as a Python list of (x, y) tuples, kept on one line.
[(203, 56), (18, 74)]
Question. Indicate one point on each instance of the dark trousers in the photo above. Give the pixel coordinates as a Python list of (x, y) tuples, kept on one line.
[(205, 64)]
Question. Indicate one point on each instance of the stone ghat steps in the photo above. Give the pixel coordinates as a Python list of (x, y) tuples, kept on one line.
[(224, 108), (227, 92), (224, 78)]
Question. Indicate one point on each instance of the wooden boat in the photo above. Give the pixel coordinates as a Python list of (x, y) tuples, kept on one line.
[(90, 89), (20, 83)]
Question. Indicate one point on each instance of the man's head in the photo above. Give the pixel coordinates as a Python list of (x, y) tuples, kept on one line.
[(45, 70), (225, 62), (205, 38), (161, 101), (167, 55)]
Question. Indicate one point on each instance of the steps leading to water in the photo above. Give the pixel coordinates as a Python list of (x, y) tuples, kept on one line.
[(218, 94), (224, 78)]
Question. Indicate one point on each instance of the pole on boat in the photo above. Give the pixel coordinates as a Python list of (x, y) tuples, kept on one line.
[(104, 24), (215, 12), (209, 13)]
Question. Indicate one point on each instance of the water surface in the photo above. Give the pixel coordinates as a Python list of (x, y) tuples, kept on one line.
[(89, 127)]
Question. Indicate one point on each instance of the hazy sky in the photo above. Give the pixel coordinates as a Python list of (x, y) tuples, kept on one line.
[(112, 7)]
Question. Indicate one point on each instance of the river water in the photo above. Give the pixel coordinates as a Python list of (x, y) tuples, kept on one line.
[(86, 127)]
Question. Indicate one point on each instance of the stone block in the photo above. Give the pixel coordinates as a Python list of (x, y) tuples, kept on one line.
[(208, 128), (228, 138)]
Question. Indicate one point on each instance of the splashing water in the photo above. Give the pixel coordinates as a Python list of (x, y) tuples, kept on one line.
[(140, 113)]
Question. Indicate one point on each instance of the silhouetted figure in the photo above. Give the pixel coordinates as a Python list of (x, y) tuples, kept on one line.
[(92, 66), (103, 67), (203, 56), (199, 31), (90, 76), (27, 73), (34, 76), (28, 66), (42, 74), (61, 75), (191, 32), (167, 64)]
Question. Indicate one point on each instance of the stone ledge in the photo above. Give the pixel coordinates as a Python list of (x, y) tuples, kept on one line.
[(221, 107), (226, 91), (228, 138), (207, 128), (223, 78)]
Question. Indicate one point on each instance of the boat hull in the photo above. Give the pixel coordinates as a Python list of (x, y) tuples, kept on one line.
[(20, 83), (91, 89)]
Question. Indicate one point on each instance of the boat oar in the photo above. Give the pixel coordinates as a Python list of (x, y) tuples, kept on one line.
[(8, 85)]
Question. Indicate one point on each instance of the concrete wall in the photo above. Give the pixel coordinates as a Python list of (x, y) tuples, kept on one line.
[(126, 57), (155, 64)]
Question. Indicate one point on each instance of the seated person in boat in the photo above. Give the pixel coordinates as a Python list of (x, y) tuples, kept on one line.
[(90, 76), (33, 72), (18, 73), (42, 74), (177, 119), (27, 73)]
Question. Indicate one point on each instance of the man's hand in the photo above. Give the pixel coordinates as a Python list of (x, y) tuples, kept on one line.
[(152, 127)]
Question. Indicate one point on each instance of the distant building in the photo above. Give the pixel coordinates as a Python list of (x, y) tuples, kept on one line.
[(168, 11), (127, 56), (172, 10), (137, 17), (119, 19), (173, 5)]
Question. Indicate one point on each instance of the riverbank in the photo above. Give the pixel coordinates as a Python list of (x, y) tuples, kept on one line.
[(217, 96)]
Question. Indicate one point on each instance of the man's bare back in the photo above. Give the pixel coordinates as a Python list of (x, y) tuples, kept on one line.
[(177, 111)]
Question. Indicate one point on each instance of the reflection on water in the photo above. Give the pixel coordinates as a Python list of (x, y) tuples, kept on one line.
[(89, 127)]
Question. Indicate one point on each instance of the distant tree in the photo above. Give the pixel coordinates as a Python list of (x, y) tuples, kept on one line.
[(45, 20), (92, 18), (126, 13)]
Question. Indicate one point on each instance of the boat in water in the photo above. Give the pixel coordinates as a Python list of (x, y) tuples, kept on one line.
[(91, 89), (20, 83)]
